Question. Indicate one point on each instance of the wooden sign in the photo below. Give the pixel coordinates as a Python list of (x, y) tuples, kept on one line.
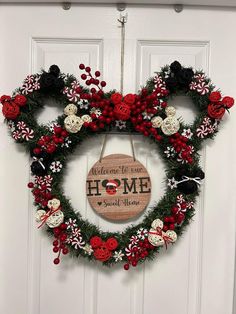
[(118, 188)]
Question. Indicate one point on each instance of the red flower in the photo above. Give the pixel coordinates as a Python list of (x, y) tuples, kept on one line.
[(216, 111), (122, 111), (95, 242), (20, 100), (102, 253), (10, 110), (116, 98), (5, 98), (215, 96), (228, 101), (111, 244), (130, 99)]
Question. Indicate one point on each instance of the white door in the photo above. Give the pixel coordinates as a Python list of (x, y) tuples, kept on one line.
[(196, 276)]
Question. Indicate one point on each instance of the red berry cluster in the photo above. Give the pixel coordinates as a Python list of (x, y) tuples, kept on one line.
[(103, 249), (131, 107), (41, 193), (177, 216), (139, 252), (90, 80), (179, 143), (59, 244), (49, 143)]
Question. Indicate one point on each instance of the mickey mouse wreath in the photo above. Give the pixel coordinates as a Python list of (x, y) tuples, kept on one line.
[(89, 111)]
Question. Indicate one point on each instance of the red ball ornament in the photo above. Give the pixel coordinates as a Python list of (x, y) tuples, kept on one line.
[(122, 111)]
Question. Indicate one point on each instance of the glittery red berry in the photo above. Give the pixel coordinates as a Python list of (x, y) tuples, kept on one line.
[(97, 73), (65, 251), (81, 66), (103, 84), (30, 185), (88, 69), (56, 261), (126, 266)]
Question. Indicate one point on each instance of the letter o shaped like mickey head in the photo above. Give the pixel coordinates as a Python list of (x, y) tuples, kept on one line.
[(111, 186)]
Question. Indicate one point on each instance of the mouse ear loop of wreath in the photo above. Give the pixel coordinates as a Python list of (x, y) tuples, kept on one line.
[(19, 110)]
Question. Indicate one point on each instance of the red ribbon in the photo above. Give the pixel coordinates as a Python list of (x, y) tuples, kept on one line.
[(165, 237), (45, 217)]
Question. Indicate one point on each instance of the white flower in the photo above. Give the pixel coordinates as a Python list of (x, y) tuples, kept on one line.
[(66, 143), (142, 233), (170, 152), (52, 125), (96, 111), (147, 115), (56, 166), (187, 133), (78, 243), (11, 125), (88, 249), (118, 256), (83, 104), (134, 240), (172, 183), (120, 124), (71, 224), (27, 134)]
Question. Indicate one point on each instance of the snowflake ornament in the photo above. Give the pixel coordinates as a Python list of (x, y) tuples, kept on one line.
[(56, 166)]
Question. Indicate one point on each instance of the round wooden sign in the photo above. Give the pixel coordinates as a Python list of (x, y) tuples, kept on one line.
[(118, 188)]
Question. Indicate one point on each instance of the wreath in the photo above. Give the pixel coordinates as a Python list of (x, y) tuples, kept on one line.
[(90, 111)]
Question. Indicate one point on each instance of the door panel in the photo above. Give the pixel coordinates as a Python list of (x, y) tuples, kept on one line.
[(194, 276)]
